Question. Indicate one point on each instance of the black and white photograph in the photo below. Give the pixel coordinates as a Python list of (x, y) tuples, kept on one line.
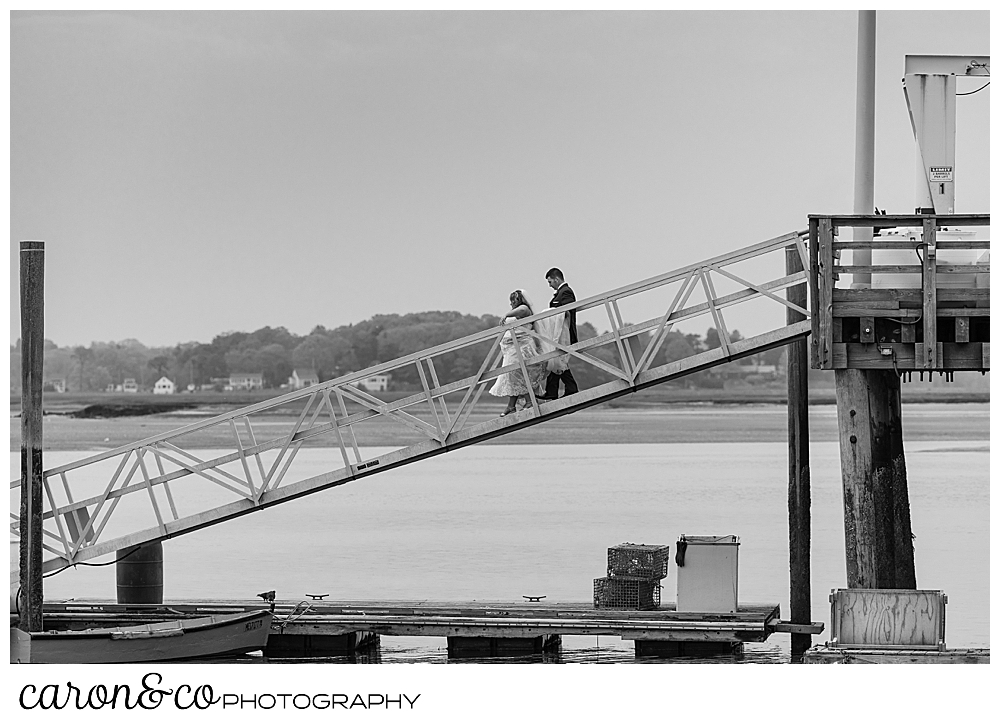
[(504, 338)]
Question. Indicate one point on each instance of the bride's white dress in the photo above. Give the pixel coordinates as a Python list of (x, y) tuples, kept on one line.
[(511, 384), (554, 328)]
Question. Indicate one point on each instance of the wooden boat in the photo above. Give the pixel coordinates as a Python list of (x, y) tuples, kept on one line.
[(218, 635)]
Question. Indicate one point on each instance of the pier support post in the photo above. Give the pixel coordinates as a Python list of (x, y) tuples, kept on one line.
[(139, 574), (464, 647), (799, 484), (32, 354), (303, 645), (877, 534), (699, 649)]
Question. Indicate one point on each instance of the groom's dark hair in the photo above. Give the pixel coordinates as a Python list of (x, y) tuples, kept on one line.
[(554, 273)]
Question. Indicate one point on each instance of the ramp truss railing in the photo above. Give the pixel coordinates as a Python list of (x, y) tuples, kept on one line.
[(164, 478)]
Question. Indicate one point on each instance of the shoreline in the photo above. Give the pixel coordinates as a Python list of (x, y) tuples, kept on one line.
[(117, 405), (603, 424)]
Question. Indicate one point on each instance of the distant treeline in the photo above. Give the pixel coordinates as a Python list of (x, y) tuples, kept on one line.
[(275, 352)]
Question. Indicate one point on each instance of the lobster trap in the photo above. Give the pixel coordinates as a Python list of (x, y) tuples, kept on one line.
[(631, 560), (626, 593)]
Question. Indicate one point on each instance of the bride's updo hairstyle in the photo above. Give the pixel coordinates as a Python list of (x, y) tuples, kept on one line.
[(517, 298)]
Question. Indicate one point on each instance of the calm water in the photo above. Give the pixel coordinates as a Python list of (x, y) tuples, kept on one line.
[(499, 522)]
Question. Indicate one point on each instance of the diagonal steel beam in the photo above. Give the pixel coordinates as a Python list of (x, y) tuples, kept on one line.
[(336, 428), (662, 329), (437, 385), (166, 485), (573, 350), (202, 472), (430, 400), (149, 488), (379, 406), (757, 288), (720, 325), (291, 435), (243, 458)]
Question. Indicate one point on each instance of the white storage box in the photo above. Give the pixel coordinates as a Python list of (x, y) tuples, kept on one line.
[(707, 582)]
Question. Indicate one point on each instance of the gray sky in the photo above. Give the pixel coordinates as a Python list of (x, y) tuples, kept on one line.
[(196, 173)]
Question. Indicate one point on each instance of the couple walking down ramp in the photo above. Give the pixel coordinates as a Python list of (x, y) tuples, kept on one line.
[(543, 378)]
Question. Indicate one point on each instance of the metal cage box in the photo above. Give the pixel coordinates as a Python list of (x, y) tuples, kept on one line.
[(707, 582), (629, 594), (887, 618), (637, 560)]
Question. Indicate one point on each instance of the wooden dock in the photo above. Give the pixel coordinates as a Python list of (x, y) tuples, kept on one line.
[(316, 621)]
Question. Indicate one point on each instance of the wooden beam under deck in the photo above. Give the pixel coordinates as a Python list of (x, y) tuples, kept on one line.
[(898, 313), (890, 221), (968, 357), (912, 298), (752, 622)]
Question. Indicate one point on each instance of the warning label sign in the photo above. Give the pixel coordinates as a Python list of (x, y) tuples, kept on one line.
[(941, 173)]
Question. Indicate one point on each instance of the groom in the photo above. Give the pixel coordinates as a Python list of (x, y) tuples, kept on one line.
[(563, 296)]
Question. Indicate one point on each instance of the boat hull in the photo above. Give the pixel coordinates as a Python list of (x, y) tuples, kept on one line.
[(168, 641)]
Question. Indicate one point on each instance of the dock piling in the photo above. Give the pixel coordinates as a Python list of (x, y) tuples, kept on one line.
[(877, 532), (139, 574), (799, 484), (32, 353)]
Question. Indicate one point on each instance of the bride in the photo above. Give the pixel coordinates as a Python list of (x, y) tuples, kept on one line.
[(512, 384)]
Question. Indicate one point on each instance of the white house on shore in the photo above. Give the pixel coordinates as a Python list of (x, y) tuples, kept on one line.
[(375, 383), (303, 377), (246, 381), (164, 386)]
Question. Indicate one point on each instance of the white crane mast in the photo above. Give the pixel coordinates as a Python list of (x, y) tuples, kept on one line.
[(929, 87)]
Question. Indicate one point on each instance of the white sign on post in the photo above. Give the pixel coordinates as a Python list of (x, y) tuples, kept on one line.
[(941, 173)]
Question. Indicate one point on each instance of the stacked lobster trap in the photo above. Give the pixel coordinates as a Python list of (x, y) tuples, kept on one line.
[(634, 574)]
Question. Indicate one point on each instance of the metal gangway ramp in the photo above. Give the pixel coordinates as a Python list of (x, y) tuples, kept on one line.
[(172, 486)]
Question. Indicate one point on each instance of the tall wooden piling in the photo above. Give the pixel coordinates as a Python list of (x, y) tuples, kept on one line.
[(799, 492), (877, 534), (32, 350)]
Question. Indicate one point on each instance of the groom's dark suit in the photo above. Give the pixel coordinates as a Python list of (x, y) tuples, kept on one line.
[(563, 296)]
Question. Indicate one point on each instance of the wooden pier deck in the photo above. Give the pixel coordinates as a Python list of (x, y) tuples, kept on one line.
[(752, 622)]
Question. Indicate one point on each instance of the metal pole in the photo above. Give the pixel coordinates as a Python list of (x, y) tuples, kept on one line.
[(799, 488), (864, 141), (32, 350)]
